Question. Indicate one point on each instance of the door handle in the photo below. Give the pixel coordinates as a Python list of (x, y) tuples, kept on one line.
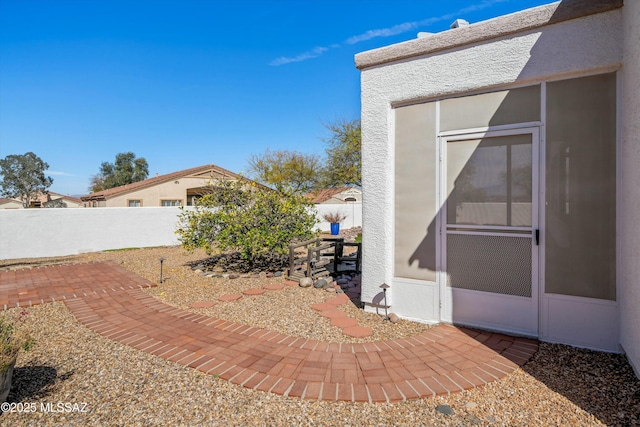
[(537, 237)]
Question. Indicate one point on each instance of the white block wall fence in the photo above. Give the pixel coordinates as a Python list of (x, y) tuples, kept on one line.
[(37, 233), (353, 211)]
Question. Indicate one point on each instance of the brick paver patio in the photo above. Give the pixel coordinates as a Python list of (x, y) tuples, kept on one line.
[(109, 300)]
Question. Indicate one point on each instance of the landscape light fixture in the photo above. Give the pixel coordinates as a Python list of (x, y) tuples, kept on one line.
[(161, 261), (384, 287)]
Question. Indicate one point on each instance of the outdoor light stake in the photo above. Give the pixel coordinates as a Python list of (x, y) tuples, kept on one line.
[(161, 260), (384, 287)]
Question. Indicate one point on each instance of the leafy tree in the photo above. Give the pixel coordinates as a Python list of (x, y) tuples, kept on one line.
[(127, 169), (23, 177), (343, 165), (258, 223), (286, 170)]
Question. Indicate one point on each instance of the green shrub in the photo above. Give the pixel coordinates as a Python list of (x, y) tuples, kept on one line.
[(258, 223)]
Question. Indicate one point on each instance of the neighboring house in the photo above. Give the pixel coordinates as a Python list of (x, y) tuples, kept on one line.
[(55, 200), (180, 188), (501, 179), (48, 200), (335, 195), (10, 203)]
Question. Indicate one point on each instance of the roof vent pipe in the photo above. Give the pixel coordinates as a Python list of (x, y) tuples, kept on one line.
[(458, 23)]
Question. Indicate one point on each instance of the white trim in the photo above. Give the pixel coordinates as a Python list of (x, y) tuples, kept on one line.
[(440, 272), (480, 233), (441, 240), (584, 73), (486, 227), (542, 203), (619, 193), (391, 125), (535, 225), (482, 130), (580, 321), (585, 300), (508, 305)]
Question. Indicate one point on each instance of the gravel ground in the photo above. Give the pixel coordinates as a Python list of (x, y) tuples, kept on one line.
[(121, 386)]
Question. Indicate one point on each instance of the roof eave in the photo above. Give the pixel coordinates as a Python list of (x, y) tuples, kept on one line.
[(501, 26)]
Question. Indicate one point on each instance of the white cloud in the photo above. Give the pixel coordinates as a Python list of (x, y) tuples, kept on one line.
[(409, 26), (58, 173), (383, 32), (313, 53), (386, 32)]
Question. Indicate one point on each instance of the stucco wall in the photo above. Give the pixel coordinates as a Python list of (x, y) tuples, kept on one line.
[(35, 233), (589, 44), (629, 230)]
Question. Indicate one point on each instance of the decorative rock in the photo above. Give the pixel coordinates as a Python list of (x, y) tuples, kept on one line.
[(339, 291), (330, 290), (203, 304), (306, 282), (197, 270), (277, 274), (268, 275), (445, 409), (321, 283), (393, 318), (234, 276), (225, 275), (342, 281), (470, 406)]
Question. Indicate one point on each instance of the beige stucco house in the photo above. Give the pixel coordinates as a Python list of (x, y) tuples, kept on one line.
[(180, 188), (10, 204), (500, 175)]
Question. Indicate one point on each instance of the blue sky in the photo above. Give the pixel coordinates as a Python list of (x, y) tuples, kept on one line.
[(186, 83)]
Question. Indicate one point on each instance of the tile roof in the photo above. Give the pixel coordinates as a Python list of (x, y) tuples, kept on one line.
[(55, 196), (324, 194), (111, 192)]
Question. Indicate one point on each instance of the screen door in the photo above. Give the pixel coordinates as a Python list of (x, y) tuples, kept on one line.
[(490, 229)]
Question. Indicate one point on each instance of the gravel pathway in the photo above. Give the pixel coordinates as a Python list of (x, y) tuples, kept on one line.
[(561, 385)]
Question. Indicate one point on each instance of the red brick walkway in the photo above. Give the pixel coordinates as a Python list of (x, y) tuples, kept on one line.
[(108, 300)]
